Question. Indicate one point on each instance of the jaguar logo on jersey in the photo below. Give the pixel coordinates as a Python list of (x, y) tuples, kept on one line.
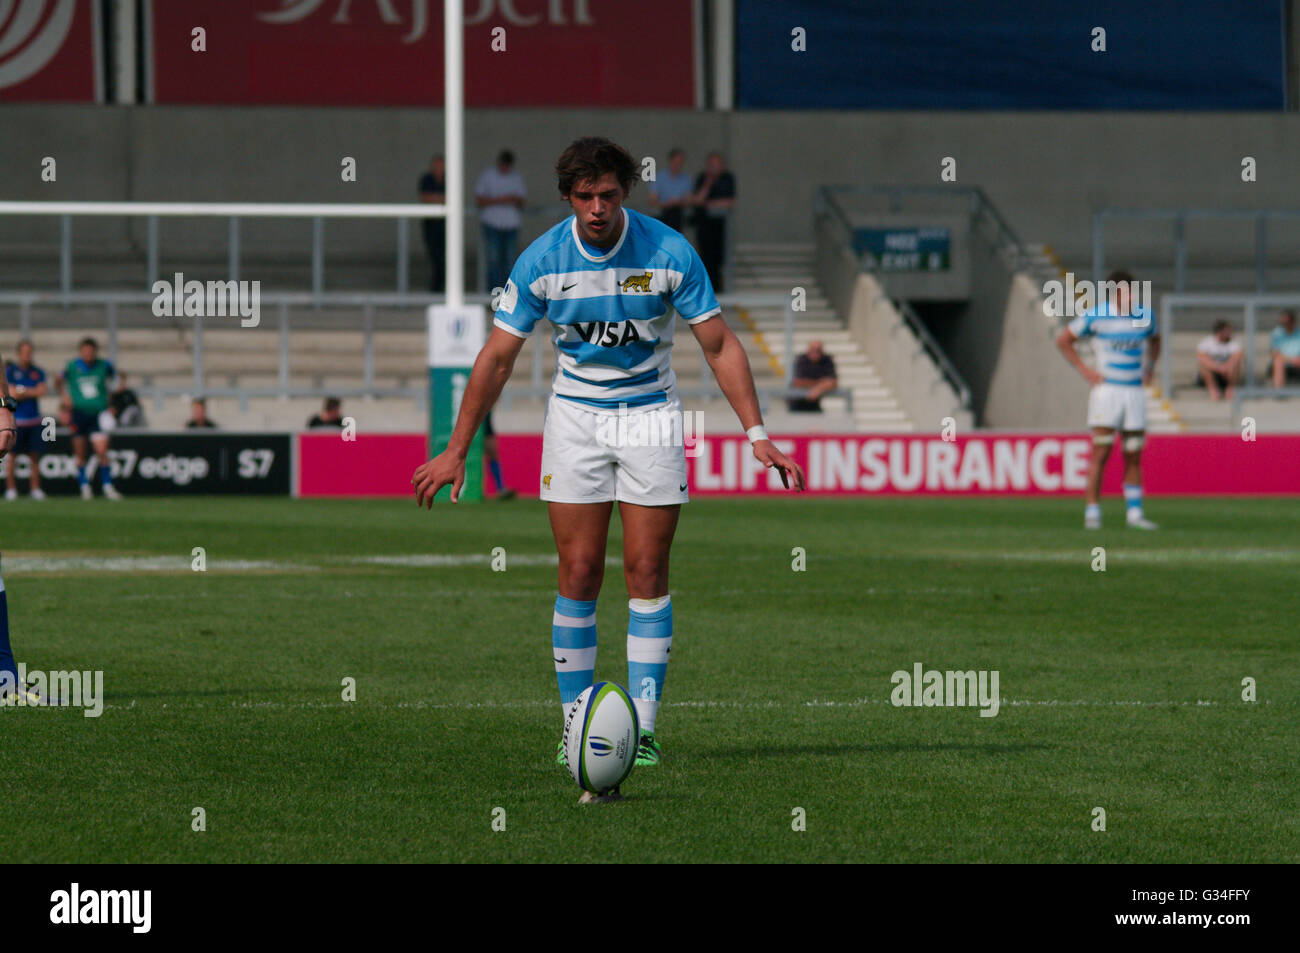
[(637, 283), (608, 333), (546, 481)]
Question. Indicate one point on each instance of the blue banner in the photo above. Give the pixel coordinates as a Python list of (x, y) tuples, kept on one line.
[(940, 54)]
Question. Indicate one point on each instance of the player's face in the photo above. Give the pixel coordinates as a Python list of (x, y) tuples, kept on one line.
[(87, 353), (1121, 299), (596, 205), (24, 354)]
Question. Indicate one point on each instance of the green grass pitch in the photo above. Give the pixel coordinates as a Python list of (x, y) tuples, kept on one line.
[(1122, 689)]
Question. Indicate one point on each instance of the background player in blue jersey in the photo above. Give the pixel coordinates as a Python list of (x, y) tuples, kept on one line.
[(9, 687), (1126, 344), (27, 384), (611, 282)]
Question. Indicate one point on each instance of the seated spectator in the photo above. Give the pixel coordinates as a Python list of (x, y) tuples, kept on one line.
[(671, 192), (814, 372), (124, 406), (1284, 350), (1218, 361), (331, 414), (199, 419)]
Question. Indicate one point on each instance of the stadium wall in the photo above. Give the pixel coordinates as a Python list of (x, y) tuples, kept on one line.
[(1046, 171), (1002, 342), (873, 321)]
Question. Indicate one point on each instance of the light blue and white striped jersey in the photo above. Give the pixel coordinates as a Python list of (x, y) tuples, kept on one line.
[(1120, 342), (612, 314)]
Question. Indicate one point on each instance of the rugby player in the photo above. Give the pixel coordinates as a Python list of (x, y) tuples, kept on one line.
[(611, 281), (1126, 346), (85, 388)]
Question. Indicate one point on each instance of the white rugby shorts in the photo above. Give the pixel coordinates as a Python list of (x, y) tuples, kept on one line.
[(591, 457), (1117, 407)]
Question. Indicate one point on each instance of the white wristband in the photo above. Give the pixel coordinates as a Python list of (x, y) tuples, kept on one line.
[(756, 433)]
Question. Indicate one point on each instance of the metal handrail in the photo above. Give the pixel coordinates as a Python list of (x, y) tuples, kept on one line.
[(1179, 217), (280, 302), (1250, 305), (316, 212), (825, 201), (935, 351)]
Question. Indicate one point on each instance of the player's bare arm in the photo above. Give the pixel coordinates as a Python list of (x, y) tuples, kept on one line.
[(8, 429), (726, 357), (1065, 344), (492, 368)]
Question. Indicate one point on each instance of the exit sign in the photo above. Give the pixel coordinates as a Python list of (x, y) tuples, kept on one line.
[(903, 249)]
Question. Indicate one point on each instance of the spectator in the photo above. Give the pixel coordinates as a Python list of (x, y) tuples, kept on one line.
[(27, 383), (125, 407), (433, 190), (500, 195), (1218, 361), (199, 419), (331, 414), (713, 198), (815, 372), (671, 193), (1284, 350)]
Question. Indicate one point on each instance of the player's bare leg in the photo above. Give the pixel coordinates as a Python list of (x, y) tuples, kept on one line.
[(1133, 440), (647, 540), (81, 453), (100, 443), (34, 464), (581, 531), (1103, 438)]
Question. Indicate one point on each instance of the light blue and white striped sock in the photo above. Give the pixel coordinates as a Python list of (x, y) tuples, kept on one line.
[(573, 638), (1133, 501), (649, 639)]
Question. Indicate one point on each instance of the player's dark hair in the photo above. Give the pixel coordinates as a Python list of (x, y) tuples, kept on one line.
[(506, 157), (674, 152), (332, 403), (1120, 276), (587, 159), (91, 341), (1220, 325)]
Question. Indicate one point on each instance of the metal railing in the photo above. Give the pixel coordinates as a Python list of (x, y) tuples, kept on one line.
[(1250, 306), (117, 317), (547, 214), (826, 202), (1178, 218)]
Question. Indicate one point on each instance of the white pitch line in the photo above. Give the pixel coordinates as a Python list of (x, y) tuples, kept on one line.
[(131, 564), (815, 703)]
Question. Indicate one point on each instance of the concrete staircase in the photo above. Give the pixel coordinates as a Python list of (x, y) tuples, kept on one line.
[(779, 268)]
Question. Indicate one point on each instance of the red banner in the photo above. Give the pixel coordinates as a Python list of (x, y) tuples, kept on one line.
[(389, 52), (979, 465), (48, 51)]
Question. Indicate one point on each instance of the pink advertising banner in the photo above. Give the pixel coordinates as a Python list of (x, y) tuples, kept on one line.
[(978, 465)]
